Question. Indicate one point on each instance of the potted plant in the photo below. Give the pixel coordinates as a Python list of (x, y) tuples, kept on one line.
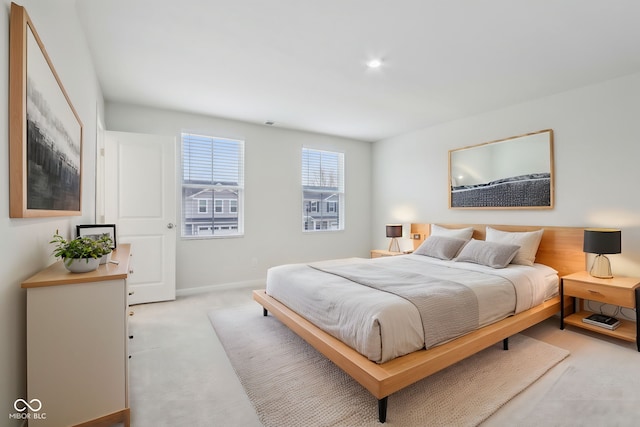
[(79, 255), (105, 242)]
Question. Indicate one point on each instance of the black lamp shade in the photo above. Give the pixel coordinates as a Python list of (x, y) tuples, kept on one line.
[(602, 241), (394, 230)]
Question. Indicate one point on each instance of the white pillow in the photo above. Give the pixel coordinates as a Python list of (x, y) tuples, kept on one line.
[(491, 254), (456, 233), (527, 240), (440, 247)]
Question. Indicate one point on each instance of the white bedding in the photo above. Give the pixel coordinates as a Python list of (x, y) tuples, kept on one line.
[(381, 325)]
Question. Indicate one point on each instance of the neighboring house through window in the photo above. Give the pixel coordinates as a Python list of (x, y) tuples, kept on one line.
[(322, 190), (212, 175)]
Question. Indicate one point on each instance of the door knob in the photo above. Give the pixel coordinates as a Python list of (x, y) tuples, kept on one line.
[(170, 225)]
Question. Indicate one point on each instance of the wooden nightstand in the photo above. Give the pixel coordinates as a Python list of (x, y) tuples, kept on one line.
[(379, 253), (619, 291)]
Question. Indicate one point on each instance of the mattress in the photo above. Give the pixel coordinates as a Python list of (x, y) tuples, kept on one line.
[(381, 325)]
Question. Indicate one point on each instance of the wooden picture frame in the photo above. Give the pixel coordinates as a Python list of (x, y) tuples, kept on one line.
[(45, 131), (95, 231)]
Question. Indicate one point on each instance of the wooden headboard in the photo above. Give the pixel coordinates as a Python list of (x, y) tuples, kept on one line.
[(560, 247)]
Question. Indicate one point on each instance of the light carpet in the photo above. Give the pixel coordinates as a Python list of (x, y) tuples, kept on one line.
[(291, 384), (604, 400)]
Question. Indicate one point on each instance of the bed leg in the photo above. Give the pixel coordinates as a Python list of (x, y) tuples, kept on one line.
[(382, 409), (264, 312), (505, 344)]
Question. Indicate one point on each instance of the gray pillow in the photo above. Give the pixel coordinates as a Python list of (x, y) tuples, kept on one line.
[(440, 247), (527, 240), (491, 254)]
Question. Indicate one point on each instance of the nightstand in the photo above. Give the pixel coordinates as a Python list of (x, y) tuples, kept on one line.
[(618, 291), (379, 253)]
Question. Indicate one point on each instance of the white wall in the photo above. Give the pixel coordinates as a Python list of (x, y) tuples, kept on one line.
[(273, 199), (597, 148), (24, 247)]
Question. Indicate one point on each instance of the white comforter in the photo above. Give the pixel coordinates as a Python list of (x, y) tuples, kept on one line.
[(381, 325)]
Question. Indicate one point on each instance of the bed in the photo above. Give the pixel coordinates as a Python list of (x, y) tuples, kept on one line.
[(560, 248)]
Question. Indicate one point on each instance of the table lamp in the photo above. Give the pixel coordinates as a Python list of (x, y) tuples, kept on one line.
[(601, 241), (394, 231)]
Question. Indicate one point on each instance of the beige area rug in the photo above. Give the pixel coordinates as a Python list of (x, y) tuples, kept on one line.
[(290, 384)]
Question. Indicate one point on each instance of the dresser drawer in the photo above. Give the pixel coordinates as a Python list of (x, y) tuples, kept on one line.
[(600, 293)]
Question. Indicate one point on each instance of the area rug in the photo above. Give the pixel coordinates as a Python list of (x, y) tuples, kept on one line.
[(291, 384)]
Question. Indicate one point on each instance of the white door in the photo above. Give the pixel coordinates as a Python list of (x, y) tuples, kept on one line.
[(140, 199)]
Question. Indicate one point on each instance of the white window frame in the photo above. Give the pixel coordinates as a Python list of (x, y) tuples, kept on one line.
[(206, 206), (209, 166), (313, 176)]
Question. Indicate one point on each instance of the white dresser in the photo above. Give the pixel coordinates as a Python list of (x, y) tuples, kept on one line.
[(77, 345)]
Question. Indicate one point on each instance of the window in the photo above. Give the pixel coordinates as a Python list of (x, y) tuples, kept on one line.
[(322, 190), (212, 171), (202, 206)]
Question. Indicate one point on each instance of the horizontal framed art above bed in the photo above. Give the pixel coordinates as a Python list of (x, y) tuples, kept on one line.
[(560, 248), (511, 173)]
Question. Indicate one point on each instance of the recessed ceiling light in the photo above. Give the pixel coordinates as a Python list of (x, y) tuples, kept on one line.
[(374, 63)]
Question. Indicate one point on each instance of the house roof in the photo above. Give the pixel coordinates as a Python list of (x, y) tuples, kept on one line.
[(197, 193)]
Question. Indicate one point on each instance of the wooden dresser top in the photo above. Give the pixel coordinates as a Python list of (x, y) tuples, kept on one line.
[(56, 274)]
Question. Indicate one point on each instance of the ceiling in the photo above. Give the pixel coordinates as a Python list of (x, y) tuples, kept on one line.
[(301, 63)]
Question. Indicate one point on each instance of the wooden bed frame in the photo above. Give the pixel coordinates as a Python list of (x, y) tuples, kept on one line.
[(560, 248)]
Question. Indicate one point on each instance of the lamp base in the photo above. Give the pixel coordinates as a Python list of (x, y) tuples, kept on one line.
[(393, 244), (601, 267)]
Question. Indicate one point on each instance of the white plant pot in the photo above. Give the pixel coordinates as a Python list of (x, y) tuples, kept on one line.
[(82, 265), (105, 258)]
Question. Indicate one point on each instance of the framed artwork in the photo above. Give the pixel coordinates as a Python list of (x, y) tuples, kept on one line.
[(512, 173), (95, 231), (45, 131)]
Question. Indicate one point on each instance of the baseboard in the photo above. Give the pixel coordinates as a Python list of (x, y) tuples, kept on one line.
[(250, 284)]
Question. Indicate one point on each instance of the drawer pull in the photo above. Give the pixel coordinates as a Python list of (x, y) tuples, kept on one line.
[(131, 292), (131, 313), (593, 292)]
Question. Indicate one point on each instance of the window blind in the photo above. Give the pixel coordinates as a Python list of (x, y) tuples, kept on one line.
[(323, 190), (212, 176)]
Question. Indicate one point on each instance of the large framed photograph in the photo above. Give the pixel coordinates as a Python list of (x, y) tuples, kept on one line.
[(45, 131), (96, 231), (512, 173)]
